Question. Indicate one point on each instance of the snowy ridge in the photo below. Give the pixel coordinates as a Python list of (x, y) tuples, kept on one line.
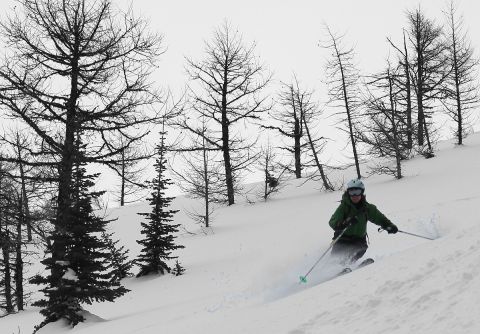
[(244, 276)]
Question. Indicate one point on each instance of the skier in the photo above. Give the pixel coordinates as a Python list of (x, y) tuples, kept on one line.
[(353, 214)]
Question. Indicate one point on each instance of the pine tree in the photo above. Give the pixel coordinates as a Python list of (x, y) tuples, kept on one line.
[(158, 243), (178, 270), (84, 267), (118, 258)]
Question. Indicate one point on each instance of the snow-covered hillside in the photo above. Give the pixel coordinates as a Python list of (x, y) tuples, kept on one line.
[(244, 276)]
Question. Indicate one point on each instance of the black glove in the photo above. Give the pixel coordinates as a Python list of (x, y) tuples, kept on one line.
[(391, 229), (346, 223)]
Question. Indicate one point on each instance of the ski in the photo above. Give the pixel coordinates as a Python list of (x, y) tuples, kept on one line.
[(364, 263), (345, 270)]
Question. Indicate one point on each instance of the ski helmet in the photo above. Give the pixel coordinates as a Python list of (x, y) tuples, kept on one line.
[(355, 183)]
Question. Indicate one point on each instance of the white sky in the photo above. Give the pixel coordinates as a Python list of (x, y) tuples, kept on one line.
[(287, 33), (288, 36)]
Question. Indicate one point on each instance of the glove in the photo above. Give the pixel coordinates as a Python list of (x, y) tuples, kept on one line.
[(391, 229), (346, 223)]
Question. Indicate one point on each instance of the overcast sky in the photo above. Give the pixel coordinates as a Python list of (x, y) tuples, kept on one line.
[(287, 33)]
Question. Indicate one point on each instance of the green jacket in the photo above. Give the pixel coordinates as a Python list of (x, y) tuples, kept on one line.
[(363, 211)]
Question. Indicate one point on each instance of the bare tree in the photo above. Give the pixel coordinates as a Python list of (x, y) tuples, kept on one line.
[(230, 83), (384, 133), (12, 241), (21, 186), (75, 70), (34, 175), (429, 70), (201, 175), (290, 124), (461, 87), (273, 171), (403, 79), (130, 171), (317, 145), (7, 242), (31, 177), (343, 80)]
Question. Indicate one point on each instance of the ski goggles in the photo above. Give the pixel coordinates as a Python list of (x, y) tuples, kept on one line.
[(355, 191)]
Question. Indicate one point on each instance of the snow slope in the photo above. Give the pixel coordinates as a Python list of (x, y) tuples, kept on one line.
[(243, 277)]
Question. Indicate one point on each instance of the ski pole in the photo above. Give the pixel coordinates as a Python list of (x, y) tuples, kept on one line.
[(415, 235), (303, 279)]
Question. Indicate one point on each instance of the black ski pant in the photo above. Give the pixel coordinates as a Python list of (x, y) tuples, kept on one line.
[(350, 249)]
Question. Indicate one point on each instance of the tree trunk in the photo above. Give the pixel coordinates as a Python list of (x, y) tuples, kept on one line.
[(6, 242), (457, 95), (205, 181), (297, 149), (19, 261), (25, 207), (350, 122), (421, 115), (326, 183), (65, 191), (225, 142), (420, 118), (427, 136), (409, 97), (122, 190), (396, 141)]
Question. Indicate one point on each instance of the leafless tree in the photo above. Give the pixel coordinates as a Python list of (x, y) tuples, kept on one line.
[(384, 132), (25, 186), (201, 175), (290, 125), (403, 79), (12, 240), (34, 180), (273, 171), (429, 70), (7, 242), (316, 145), (461, 86), (130, 170), (343, 81), (227, 88)]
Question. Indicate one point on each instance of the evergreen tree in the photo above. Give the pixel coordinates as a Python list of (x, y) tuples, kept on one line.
[(158, 243), (118, 258), (84, 265), (178, 270)]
